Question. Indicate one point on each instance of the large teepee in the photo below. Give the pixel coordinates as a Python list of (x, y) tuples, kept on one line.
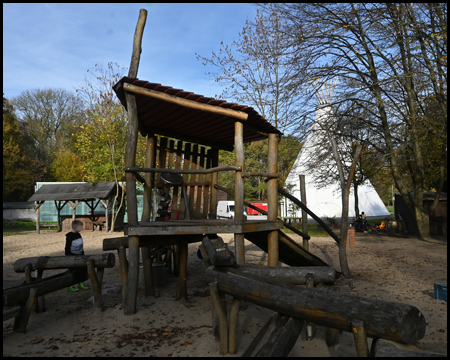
[(327, 201)]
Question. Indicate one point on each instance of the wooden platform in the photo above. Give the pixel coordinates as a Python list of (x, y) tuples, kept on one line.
[(201, 226)]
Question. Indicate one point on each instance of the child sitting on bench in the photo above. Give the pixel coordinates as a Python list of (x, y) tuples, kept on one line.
[(74, 246)]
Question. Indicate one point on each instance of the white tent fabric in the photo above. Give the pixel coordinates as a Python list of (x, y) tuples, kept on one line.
[(326, 201)]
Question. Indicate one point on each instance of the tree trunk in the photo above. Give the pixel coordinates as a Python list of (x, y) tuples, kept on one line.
[(355, 190), (423, 223)]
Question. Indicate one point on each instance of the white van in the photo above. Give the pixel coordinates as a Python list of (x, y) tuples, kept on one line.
[(225, 210)]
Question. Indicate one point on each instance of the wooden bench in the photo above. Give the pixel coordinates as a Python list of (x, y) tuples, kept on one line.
[(19, 301)]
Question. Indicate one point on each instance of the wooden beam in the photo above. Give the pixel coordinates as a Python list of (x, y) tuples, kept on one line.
[(64, 262), (236, 114), (184, 171)]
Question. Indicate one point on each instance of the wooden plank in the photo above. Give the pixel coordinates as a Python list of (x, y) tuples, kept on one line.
[(200, 189), (214, 181), (207, 186), (236, 114), (162, 158), (193, 179), (150, 160), (177, 189), (169, 228), (389, 320), (186, 165)]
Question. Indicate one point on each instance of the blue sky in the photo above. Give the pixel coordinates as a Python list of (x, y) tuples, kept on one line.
[(53, 45)]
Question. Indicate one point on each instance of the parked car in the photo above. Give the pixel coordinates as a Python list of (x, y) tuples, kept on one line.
[(225, 210)]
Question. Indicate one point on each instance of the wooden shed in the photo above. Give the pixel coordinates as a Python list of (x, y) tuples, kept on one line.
[(73, 194), (185, 132)]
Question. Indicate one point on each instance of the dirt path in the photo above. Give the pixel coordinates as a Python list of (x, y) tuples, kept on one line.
[(392, 269)]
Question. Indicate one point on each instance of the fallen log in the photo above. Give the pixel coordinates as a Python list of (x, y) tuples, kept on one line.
[(290, 275), (388, 320), (276, 338), (64, 262), (18, 295)]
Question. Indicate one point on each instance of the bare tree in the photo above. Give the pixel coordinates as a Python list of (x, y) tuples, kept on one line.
[(391, 59)]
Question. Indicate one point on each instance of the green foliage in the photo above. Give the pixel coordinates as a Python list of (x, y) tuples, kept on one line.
[(20, 171), (67, 166)]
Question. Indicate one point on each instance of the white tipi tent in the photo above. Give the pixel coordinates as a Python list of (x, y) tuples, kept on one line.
[(327, 201)]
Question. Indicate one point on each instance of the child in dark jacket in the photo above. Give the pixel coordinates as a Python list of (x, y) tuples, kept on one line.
[(74, 246)]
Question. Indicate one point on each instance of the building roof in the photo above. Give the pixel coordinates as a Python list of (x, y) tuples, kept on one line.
[(159, 116), (83, 191)]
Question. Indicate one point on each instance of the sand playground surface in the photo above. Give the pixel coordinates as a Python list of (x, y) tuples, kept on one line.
[(387, 268)]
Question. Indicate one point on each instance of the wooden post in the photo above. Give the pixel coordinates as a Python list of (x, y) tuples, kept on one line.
[(95, 284), (304, 213), (38, 225), (221, 315), (106, 203), (130, 159), (272, 199), (309, 326), (123, 262), (21, 321), (182, 276), (239, 190), (214, 181), (360, 336), (233, 326)]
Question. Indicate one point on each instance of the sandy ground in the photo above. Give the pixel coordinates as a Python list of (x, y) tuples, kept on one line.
[(388, 268)]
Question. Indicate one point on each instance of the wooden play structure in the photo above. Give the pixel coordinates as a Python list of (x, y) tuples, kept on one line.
[(185, 132), (19, 301)]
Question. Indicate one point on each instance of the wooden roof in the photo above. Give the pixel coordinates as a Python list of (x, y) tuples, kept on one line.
[(84, 191), (180, 114)]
